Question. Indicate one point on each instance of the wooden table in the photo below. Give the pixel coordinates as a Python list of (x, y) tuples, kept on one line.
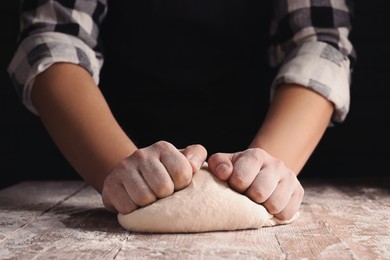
[(340, 219)]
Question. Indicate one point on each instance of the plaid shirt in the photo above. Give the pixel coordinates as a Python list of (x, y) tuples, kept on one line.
[(310, 44)]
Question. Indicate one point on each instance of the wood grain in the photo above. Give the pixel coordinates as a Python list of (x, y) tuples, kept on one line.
[(340, 219)]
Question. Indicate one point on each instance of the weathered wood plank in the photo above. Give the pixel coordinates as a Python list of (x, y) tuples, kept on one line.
[(78, 227), (358, 212), (24, 202), (338, 221), (310, 238), (306, 238), (245, 244)]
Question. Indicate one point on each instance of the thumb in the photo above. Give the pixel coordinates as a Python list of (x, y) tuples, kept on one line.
[(196, 155), (220, 164)]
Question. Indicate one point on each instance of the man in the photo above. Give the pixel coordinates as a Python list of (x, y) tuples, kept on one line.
[(180, 85)]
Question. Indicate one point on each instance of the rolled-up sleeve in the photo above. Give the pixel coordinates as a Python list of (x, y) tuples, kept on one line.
[(56, 31), (311, 47)]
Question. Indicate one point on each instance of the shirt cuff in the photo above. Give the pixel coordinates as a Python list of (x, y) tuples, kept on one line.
[(38, 52), (321, 68)]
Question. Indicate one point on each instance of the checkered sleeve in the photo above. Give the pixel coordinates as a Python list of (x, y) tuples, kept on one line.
[(56, 31), (310, 46)]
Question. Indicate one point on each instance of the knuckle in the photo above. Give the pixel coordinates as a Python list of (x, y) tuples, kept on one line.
[(163, 145), (279, 168), (126, 208), (272, 206), (238, 182), (256, 153), (182, 180), (253, 153), (117, 206), (140, 155), (164, 189), (284, 215), (145, 198), (250, 157), (257, 195)]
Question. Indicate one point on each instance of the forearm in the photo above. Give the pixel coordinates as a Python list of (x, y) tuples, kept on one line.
[(78, 119), (295, 123)]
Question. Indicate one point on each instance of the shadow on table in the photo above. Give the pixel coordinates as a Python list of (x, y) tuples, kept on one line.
[(95, 219)]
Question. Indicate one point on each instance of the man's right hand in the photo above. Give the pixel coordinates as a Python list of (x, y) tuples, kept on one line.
[(149, 174)]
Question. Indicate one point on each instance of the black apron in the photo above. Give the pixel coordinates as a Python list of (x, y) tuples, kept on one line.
[(187, 71)]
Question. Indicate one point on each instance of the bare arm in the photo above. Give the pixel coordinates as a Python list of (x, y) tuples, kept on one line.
[(267, 171), (295, 123), (77, 117)]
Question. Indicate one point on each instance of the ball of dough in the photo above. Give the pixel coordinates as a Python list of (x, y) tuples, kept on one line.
[(206, 204)]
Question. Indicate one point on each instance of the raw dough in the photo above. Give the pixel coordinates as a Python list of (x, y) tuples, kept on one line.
[(206, 204)]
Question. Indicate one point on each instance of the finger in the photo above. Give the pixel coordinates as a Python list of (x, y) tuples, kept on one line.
[(137, 188), (280, 197), (178, 168), (263, 186), (220, 164), (156, 177), (116, 199), (245, 169), (196, 155), (293, 205)]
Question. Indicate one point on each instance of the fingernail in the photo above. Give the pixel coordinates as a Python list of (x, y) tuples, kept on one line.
[(222, 169)]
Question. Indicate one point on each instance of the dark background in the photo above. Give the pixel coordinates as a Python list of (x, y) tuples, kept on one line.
[(357, 148)]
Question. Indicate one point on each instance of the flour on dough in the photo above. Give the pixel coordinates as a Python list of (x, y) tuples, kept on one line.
[(206, 204)]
